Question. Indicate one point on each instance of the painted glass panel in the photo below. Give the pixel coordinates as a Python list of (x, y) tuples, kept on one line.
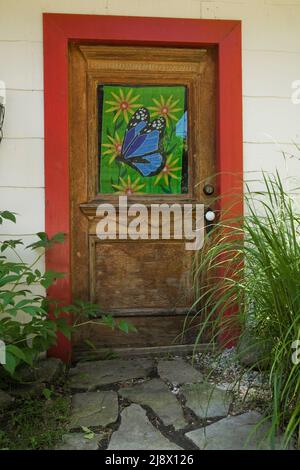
[(142, 139)]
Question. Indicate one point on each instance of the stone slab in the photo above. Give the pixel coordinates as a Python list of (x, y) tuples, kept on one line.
[(207, 401), (77, 441), (88, 376), (178, 371), (234, 433), (160, 399), (92, 409), (137, 433)]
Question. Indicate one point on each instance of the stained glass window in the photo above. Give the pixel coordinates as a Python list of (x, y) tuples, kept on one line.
[(142, 139)]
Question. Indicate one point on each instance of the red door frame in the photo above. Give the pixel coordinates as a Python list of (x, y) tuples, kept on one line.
[(59, 30)]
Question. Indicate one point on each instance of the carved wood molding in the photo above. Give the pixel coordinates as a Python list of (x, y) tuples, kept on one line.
[(92, 52), (159, 60)]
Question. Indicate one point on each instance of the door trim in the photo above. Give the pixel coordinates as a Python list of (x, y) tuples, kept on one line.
[(59, 30)]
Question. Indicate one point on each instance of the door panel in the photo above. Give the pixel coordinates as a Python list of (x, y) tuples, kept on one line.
[(163, 330), (148, 281), (140, 276)]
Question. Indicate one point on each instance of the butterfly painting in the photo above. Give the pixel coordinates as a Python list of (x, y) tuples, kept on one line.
[(142, 147)]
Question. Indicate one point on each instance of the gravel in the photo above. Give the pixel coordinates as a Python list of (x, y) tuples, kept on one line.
[(250, 387)]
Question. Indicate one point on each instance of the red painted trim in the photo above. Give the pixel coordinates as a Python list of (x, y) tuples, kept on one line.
[(59, 29)]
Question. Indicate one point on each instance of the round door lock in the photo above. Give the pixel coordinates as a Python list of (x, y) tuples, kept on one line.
[(208, 189), (210, 216)]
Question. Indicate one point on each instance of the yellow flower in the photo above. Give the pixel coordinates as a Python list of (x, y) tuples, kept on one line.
[(128, 187), (123, 104), (168, 170), (114, 148), (165, 108)]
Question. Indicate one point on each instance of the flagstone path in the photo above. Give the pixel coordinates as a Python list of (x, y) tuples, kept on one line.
[(154, 405)]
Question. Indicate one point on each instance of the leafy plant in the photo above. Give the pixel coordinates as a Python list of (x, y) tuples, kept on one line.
[(25, 340), (250, 269)]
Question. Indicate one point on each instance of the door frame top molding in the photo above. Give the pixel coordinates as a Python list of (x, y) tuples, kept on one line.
[(59, 31)]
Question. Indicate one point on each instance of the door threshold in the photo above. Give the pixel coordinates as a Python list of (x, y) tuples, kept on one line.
[(111, 353)]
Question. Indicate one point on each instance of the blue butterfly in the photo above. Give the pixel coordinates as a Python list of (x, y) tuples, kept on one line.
[(142, 147)]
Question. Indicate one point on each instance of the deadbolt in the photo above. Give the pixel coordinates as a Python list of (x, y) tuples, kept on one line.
[(208, 189)]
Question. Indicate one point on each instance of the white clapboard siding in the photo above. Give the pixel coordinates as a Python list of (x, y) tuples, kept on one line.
[(163, 8), (22, 163), (270, 73), (20, 20), (24, 116), (21, 64), (29, 204), (266, 26), (271, 120)]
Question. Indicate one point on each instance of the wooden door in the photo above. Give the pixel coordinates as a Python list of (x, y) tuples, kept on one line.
[(145, 281)]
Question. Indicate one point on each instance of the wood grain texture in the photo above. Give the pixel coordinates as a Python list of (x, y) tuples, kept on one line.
[(152, 331), (139, 275), (193, 68), (156, 351), (136, 278)]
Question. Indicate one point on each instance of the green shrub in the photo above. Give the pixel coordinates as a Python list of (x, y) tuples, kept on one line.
[(26, 340), (253, 264)]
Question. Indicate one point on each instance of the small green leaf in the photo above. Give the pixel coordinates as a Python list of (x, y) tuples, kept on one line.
[(28, 356), (32, 310), (58, 238), (45, 242), (47, 393), (8, 279), (8, 216), (108, 320), (11, 363), (23, 303), (123, 326), (50, 277), (126, 327), (63, 327), (90, 344), (88, 433), (16, 351), (10, 244)]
